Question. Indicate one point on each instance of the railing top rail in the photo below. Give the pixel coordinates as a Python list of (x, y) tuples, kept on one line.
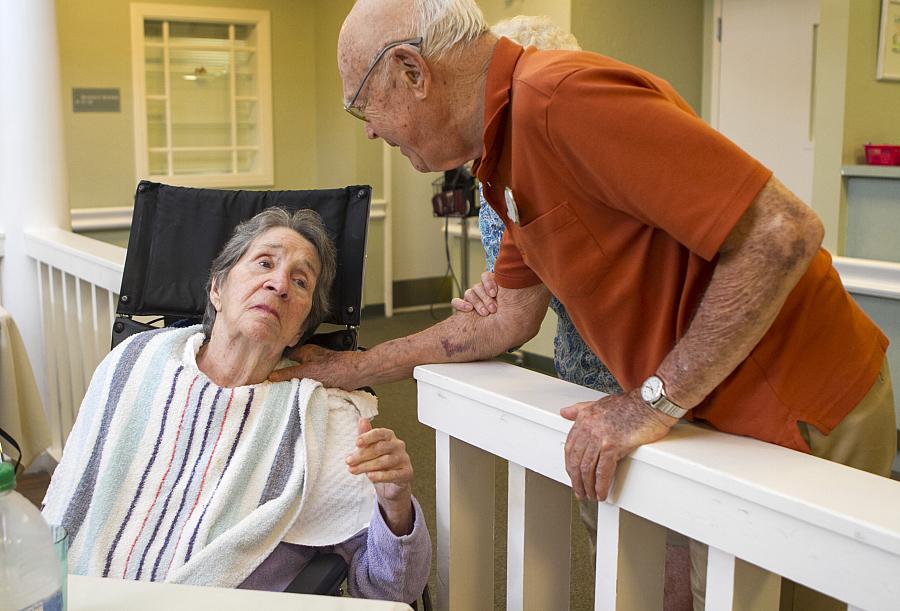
[(824, 494), (96, 262)]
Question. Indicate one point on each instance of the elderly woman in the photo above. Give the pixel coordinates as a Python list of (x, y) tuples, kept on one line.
[(187, 465)]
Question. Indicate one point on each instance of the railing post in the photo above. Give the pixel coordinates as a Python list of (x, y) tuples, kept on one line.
[(538, 537), (735, 585), (631, 561), (465, 525)]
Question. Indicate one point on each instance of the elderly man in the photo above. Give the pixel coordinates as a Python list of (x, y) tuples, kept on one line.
[(695, 275)]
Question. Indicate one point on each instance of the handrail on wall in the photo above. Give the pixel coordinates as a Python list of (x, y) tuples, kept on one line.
[(869, 277)]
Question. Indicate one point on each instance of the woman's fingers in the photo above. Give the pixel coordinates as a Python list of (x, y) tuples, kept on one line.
[(381, 456), (481, 297)]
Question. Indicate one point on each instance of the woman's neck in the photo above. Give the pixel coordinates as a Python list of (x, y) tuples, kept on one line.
[(236, 361)]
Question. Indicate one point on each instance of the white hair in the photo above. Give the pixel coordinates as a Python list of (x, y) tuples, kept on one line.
[(444, 24), (535, 31)]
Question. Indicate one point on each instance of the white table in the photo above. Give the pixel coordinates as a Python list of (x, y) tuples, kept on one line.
[(98, 594)]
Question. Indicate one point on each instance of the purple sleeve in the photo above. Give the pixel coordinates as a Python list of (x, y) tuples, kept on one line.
[(385, 566)]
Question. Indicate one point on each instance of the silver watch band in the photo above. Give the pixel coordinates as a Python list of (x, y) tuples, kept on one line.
[(667, 407)]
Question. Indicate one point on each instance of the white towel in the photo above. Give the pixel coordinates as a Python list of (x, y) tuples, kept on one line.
[(168, 477)]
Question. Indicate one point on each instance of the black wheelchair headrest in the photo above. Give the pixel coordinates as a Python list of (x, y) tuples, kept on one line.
[(176, 232)]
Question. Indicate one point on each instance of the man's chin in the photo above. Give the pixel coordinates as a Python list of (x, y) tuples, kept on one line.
[(420, 165)]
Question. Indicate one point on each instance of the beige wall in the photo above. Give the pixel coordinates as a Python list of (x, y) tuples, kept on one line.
[(665, 38), (852, 107), (95, 51), (828, 126), (873, 106), (559, 11)]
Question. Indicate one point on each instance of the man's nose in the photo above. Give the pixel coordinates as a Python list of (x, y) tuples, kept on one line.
[(370, 131)]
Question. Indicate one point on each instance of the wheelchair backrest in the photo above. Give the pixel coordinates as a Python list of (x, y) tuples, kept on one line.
[(176, 232)]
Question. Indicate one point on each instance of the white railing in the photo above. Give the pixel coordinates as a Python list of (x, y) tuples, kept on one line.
[(757, 505), (79, 280)]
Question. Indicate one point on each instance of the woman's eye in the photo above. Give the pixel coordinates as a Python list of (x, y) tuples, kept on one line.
[(265, 263), (300, 282)]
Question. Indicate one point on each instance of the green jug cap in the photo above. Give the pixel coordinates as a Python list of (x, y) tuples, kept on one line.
[(7, 477)]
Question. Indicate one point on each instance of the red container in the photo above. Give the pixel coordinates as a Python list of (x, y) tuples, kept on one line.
[(882, 154)]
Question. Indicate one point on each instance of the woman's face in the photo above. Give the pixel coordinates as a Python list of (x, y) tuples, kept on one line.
[(268, 294)]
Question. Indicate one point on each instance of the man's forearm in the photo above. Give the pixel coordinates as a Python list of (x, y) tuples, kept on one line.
[(759, 265), (461, 337)]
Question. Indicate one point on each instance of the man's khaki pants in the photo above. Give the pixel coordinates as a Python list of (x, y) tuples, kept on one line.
[(865, 439)]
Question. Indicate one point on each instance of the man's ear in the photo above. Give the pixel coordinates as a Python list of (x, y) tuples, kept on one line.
[(413, 71), (215, 298)]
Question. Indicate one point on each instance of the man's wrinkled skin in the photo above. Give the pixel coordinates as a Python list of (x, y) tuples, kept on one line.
[(433, 110)]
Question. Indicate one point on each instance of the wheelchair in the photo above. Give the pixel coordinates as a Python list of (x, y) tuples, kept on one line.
[(176, 232)]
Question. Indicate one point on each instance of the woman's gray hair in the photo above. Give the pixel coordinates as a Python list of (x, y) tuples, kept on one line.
[(444, 24), (536, 31), (309, 225)]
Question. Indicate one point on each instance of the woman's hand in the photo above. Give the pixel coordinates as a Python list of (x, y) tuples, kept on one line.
[(482, 297), (383, 458)]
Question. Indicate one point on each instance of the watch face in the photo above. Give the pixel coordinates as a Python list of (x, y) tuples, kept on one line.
[(651, 390)]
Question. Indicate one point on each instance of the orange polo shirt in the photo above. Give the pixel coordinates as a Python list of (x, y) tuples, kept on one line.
[(622, 199)]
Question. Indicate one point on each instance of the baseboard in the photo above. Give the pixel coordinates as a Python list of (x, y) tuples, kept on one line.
[(538, 362), (530, 360), (376, 310), (422, 292)]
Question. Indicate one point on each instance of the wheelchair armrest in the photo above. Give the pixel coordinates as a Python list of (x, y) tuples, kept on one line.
[(323, 575)]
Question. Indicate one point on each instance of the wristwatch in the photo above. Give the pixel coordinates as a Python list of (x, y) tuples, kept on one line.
[(654, 393)]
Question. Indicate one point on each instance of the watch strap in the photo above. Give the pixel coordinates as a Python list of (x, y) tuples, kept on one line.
[(667, 407)]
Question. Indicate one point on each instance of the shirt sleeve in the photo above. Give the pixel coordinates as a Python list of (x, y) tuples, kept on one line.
[(385, 566), (510, 270), (628, 139)]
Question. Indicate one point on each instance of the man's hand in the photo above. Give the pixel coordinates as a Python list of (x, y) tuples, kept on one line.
[(604, 432), (332, 368), (383, 458), (480, 298)]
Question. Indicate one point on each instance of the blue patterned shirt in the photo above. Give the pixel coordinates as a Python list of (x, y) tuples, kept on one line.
[(572, 357)]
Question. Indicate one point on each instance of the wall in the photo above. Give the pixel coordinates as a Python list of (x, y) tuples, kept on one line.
[(344, 155), (872, 106), (559, 12), (665, 38), (828, 121), (95, 51), (852, 107)]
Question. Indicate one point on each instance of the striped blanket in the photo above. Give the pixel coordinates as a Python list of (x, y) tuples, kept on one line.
[(168, 477)]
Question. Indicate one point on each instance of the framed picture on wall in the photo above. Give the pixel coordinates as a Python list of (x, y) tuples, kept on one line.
[(889, 42)]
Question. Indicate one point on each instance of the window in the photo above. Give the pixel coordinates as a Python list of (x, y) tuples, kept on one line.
[(202, 95)]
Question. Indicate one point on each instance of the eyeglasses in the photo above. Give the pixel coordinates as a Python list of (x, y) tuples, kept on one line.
[(360, 113)]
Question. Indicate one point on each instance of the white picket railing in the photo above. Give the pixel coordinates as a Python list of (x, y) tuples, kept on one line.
[(79, 280), (834, 529), (757, 505)]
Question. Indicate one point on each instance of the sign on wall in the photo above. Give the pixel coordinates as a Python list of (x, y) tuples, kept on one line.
[(86, 99)]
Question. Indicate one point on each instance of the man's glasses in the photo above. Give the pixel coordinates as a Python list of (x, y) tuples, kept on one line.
[(360, 113)]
